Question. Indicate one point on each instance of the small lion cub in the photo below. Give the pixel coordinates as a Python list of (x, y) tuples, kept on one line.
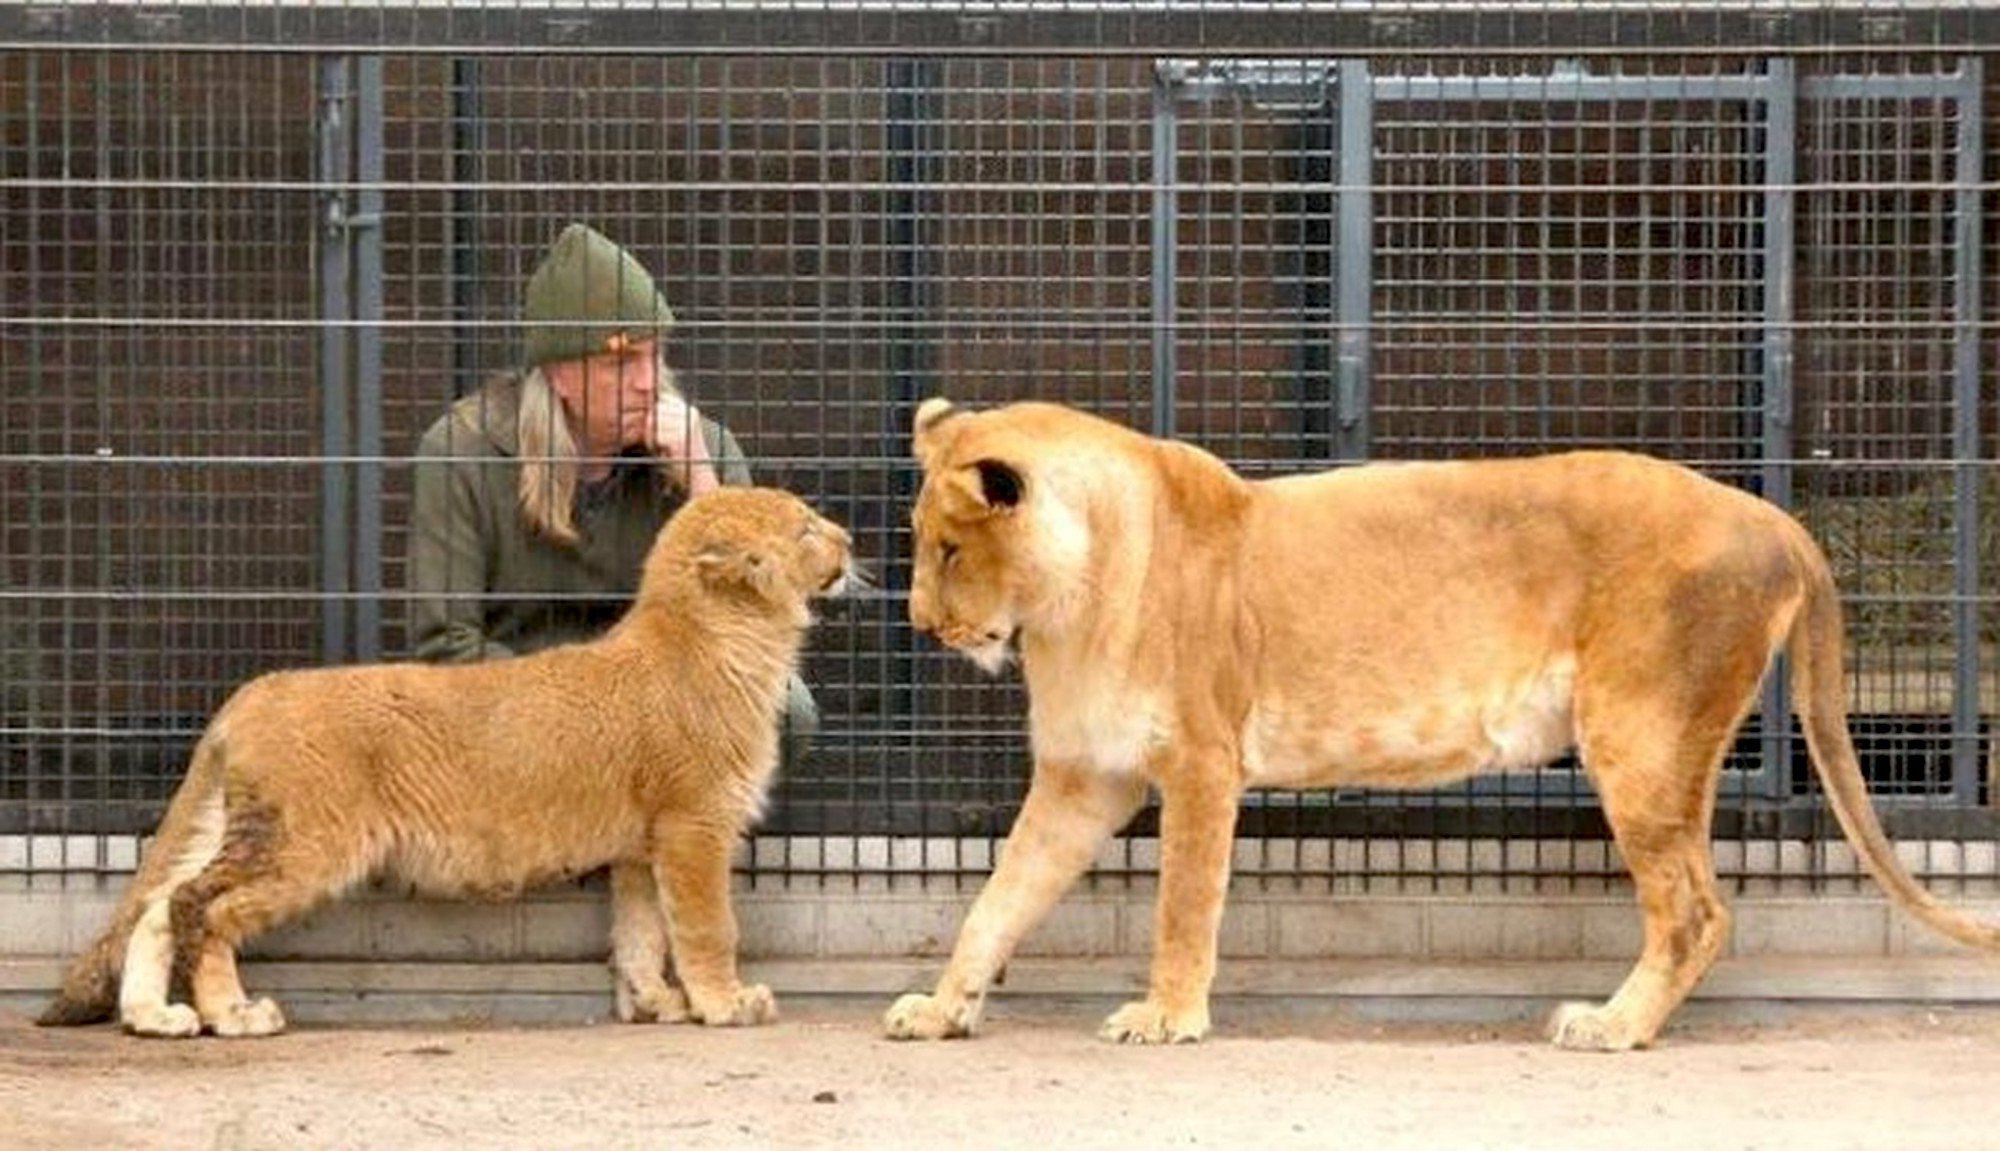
[(648, 750)]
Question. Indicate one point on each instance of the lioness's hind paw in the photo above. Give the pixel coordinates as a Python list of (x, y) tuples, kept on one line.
[(164, 1021), (1589, 1027), (916, 1016), (1146, 1022)]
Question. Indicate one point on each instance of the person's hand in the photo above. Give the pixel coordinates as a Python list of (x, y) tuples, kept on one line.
[(676, 438)]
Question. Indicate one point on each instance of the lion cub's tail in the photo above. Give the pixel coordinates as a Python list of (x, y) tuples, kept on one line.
[(89, 992), (1819, 694)]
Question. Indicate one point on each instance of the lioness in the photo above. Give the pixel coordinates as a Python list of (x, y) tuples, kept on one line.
[(648, 749), (1402, 625)]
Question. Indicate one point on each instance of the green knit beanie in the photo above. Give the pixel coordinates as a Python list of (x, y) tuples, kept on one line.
[(587, 297)]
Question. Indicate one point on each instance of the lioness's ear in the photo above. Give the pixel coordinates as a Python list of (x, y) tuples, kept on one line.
[(989, 486), (923, 438), (726, 565)]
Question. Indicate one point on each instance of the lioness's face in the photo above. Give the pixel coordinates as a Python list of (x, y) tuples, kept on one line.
[(968, 567)]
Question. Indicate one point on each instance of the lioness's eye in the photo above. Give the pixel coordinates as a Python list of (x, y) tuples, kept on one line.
[(947, 552)]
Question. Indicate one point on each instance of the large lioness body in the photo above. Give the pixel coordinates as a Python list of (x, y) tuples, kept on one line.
[(1397, 625), (649, 749)]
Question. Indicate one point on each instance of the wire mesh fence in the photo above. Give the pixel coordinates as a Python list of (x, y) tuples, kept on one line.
[(252, 251)]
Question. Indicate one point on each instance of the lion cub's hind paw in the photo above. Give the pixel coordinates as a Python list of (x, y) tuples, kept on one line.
[(1589, 1027), (1146, 1022), (164, 1021)]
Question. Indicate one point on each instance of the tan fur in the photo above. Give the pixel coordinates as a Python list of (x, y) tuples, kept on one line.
[(649, 749), (1399, 625)]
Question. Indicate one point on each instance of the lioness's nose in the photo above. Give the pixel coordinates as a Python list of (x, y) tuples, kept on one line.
[(922, 615)]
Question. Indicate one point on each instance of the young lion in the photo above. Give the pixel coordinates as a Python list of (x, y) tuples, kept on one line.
[(1398, 625), (648, 749)]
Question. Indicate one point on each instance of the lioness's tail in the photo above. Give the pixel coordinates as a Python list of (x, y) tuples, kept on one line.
[(89, 992), (1819, 694)]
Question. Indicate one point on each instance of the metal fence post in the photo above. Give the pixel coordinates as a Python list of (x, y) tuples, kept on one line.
[(911, 107), (468, 145), (364, 235), (912, 146), (1780, 92), (1166, 247), (335, 126), (1970, 162), (1355, 253)]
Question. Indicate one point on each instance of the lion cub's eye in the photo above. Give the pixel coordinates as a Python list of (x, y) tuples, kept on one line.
[(947, 552)]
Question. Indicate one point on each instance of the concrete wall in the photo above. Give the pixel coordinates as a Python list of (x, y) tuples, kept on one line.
[(878, 923)]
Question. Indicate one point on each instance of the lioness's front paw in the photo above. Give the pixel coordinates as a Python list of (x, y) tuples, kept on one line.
[(660, 1004), (751, 1004), (1144, 1021), (927, 1017), (1588, 1027), (248, 1020), (164, 1021)]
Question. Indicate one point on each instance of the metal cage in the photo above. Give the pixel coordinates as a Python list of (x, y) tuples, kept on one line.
[(249, 251)]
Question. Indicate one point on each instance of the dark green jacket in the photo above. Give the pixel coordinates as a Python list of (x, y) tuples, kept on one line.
[(484, 585)]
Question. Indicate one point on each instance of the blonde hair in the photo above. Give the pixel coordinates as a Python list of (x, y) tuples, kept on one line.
[(550, 458)]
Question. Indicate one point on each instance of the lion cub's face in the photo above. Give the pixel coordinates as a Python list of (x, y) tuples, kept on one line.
[(765, 541)]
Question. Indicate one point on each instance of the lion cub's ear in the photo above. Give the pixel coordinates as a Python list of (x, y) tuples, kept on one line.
[(924, 441), (988, 486), (731, 565)]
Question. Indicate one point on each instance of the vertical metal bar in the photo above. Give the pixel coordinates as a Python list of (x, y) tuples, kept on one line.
[(462, 224), (912, 87), (56, 264), (1165, 242), (43, 695), (1315, 174), (1780, 175), (1970, 164), (365, 239), (1355, 254), (336, 502), (910, 143), (141, 263)]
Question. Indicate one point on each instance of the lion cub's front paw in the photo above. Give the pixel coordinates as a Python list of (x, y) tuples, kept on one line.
[(927, 1017), (248, 1020), (1588, 1027), (1145, 1021), (658, 1004), (751, 1004), (163, 1021)]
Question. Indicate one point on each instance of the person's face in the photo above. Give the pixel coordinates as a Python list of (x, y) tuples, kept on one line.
[(610, 395)]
